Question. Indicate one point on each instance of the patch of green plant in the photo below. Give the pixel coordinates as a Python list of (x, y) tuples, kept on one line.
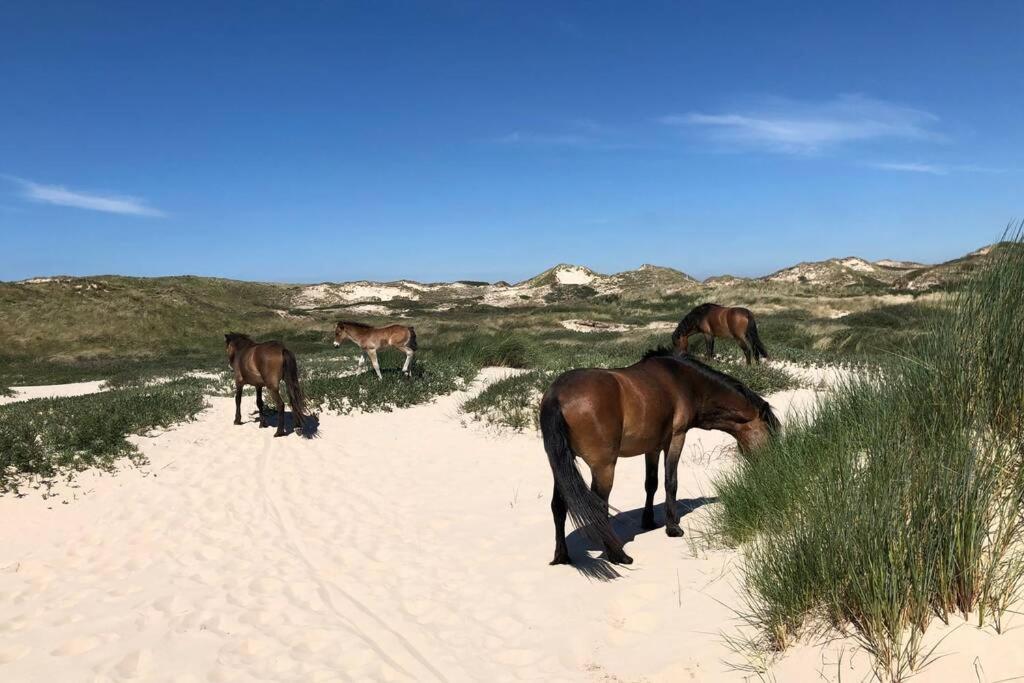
[(434, 374), (50, 437), (512, 402)]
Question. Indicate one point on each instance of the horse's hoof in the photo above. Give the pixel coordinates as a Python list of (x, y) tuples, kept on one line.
[(620, 558), (674, 531), (262, 426), (237, 422), (560, 559), (277, 434)]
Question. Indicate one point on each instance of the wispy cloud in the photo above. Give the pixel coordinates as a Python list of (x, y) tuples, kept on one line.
[(933, 169), (578, 134), (62, 196), (792, 127)]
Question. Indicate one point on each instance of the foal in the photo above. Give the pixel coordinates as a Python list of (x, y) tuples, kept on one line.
[(719, 321), (369, 339), (603, 415), (265, 365)]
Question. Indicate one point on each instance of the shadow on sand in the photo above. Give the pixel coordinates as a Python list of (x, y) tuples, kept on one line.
[(627, 527), (310, 428)]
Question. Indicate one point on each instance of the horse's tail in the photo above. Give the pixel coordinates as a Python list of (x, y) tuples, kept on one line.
[(754, 340), (291, 381), (412, 338), (586, 509)]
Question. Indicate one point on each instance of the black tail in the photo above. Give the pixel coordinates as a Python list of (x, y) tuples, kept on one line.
[(586, 509), (412, 338), (755, 340), (291, 381)]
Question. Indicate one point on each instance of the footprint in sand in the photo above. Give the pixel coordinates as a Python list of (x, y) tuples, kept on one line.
[(77, 646), (13, 652)]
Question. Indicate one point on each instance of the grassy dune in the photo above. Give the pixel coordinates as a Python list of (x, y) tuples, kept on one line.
[(901, 500)]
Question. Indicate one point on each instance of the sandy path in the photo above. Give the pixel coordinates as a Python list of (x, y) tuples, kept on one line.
[(396, 546), (52, 391)]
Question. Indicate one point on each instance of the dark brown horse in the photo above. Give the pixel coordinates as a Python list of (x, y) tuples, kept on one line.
[(603, 415), (712, 321), (265, 365)]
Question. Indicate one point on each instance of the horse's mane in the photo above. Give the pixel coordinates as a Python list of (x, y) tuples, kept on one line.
[(353, 323), (691, 319), (237, 337), (764, 410)]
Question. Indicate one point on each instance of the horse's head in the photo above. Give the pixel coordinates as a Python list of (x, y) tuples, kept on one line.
[(340, 333), (232, 342), (681, 344), (757, 432)]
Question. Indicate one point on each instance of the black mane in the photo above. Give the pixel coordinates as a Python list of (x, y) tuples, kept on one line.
[(690, 320), (763, 409), (237, 337), (353, 323)]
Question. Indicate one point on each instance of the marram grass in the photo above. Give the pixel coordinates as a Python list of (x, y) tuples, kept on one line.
[(900, 500)]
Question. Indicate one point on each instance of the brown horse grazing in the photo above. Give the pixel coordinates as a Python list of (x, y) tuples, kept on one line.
[(603, 415), (370, 339), (713, 321), (265, 365)]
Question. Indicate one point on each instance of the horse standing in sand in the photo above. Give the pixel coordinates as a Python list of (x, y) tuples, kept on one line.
[(369, 339), (603, 415), (265, 364), (712, 321)]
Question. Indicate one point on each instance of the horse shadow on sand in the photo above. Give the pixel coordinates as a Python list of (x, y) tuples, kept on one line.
[(627, 527), (310, 423)]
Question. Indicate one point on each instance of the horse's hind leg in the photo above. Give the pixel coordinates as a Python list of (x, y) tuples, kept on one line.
[(558, 512), (260, 406), (651, 486), (747, 353), (276, 395), (709, 342), (409, 353), (675, 449), (238, 402), (603, 477)]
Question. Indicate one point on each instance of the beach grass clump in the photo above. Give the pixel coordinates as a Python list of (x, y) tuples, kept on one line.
[(50, 437), (435, 373), (900, 500), (512, 402)]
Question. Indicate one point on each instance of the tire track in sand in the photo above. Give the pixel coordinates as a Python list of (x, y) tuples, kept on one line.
[(328, 590)]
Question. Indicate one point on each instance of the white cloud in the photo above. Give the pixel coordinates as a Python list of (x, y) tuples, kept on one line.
[(933, 169), (62, 196), (792, 127), (912, 167)]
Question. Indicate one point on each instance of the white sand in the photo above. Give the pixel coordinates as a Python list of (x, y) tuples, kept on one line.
[(52, 391), (396, 546)]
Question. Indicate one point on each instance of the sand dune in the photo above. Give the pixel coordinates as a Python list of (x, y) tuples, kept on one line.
[(395, 546)]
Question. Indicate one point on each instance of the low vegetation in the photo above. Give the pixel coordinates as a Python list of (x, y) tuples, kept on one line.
[(55, 436), (900, 501)]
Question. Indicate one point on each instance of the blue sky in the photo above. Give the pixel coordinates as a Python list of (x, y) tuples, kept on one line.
[(440, 140)]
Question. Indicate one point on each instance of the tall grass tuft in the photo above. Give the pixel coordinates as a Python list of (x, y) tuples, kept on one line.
[(900, 500)]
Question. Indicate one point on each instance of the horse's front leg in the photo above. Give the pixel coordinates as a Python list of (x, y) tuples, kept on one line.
[(709, 342), (675, 449), (238, 402)]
